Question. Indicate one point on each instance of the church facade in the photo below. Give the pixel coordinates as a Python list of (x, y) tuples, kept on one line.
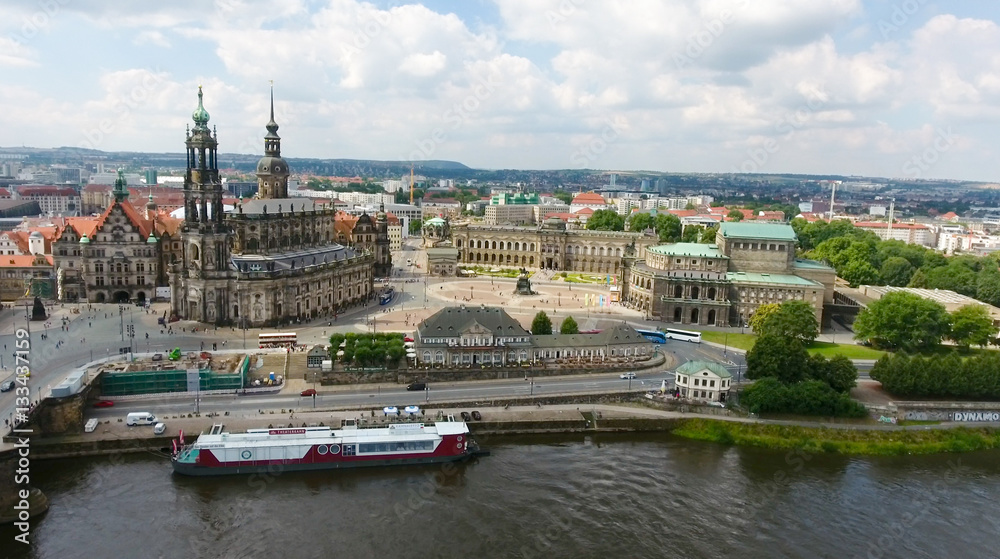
[(271, 259)]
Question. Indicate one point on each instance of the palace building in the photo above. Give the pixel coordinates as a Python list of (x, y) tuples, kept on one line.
[(549, 246), (722, 284), (271, 259)]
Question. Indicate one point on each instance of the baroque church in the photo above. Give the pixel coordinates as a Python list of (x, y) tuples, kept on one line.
[(271, 259)]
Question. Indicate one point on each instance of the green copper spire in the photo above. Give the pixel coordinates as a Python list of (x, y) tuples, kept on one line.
[(121, 187), (200, 115)]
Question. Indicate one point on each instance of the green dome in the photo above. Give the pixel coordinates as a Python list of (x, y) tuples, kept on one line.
[(436, 221), (151, 239), (200, 115), (84, 240)]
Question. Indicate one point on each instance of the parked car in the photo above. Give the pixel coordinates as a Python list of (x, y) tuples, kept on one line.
[(407, 339), (629, 374), (416, 386), (104, 404), (7, 386), (159, 428), (717, 404), (476, 415), (466, 416), (308, 392)]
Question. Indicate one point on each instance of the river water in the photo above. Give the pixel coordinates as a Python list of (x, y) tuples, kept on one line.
[(635, 496)]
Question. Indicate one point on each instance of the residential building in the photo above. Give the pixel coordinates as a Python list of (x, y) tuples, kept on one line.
[(26, 275), (440, 207), (703, 381), (911, 233), (590, 200), (365, 198), (52, 200)]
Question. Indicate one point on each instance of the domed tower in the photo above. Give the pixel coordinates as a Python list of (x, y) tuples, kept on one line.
[(272, 170)]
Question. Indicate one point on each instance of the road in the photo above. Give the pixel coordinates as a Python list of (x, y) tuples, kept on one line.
[(393, 395)]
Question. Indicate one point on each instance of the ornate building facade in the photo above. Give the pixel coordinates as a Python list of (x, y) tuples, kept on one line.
[(270, 260), (116, 257), (549, 246), (723, 284)]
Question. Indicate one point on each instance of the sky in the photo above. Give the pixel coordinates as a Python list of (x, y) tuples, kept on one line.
[(888, 88)]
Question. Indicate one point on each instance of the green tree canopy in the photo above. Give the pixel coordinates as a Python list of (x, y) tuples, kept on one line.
[(708, 236), (904, 321), (839, 373), (569, 326), (972, 325), (606, 220), (692, 234), (896, 271), (760, 316), (988, 286), (640, 221), (776, 356), (541, 325), (668, 227), (794, 319), (735, 215), (564, 196)]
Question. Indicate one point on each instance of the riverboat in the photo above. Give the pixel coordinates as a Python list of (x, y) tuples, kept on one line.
[(323, 448)]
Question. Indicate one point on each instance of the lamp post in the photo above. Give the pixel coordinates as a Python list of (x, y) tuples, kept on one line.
[(725, 349)]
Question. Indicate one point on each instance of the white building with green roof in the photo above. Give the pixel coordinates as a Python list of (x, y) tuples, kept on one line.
[(704, 381)]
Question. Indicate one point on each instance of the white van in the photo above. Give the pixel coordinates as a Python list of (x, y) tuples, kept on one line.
[(159, 428), (140, 418)]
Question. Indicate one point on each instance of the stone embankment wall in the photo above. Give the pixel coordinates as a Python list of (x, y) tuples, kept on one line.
[(406, 376)]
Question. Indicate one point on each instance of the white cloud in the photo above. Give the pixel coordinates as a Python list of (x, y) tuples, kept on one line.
[(151, 37)]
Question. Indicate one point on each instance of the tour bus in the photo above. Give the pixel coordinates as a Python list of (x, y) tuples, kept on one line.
[(284, 339), (683, 335)]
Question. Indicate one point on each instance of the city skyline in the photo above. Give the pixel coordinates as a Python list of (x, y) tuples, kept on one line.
[(907, 88)]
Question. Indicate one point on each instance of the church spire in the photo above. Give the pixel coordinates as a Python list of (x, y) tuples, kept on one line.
[(272, 142), (200, 115)]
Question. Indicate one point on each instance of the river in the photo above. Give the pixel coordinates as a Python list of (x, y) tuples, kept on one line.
[(635, 496)]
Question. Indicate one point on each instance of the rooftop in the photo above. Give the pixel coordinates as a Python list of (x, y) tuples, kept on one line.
[(688, 249), (776, 279), (694, 367), (804, 264), (452, 321), (588, 198), (771, 231)]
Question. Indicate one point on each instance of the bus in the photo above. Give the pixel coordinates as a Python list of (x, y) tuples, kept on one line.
[(653, 336), (386, 296), (283, 339), (682, 335)]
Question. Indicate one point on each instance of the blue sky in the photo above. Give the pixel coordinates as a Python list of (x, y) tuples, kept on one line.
[(896, 88)]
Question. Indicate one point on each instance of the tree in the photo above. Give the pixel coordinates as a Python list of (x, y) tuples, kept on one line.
[(606, 220), (734, 215), (569, 326), (858, 273), (668, 227), (760, 316), (839, 373), (776, 356), (692, 233), (794, 319), (690, 206), (988, 286), (565, 197), (639, 221), (972, 325), (708, 235), (896, 271), (415, 226), (904, 321), (541, 325)]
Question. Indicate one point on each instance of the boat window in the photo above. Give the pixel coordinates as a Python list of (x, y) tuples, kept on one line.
[(407, 446)]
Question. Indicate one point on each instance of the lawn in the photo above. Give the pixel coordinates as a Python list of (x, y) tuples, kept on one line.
[(502, 273), (826, 349), (581, 278)]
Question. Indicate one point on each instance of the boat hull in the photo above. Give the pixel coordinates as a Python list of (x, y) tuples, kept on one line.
[(190, 469)]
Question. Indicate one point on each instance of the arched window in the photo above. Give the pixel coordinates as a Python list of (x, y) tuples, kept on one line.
[(695, 292), (427, 357), (678, 291), (532, 249), (517, 246), (711, 317), (694, 316), (711, 295)]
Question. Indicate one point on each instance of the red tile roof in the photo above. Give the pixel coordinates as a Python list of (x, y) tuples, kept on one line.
[(885, 225), (21, 260), (46, 190), (4, 193), (585, 211), (588, 198)]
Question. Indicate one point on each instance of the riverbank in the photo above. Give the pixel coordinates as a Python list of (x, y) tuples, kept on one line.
[(850, 441)]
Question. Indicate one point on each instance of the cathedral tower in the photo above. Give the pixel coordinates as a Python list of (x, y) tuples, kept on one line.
[(272, 170)]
